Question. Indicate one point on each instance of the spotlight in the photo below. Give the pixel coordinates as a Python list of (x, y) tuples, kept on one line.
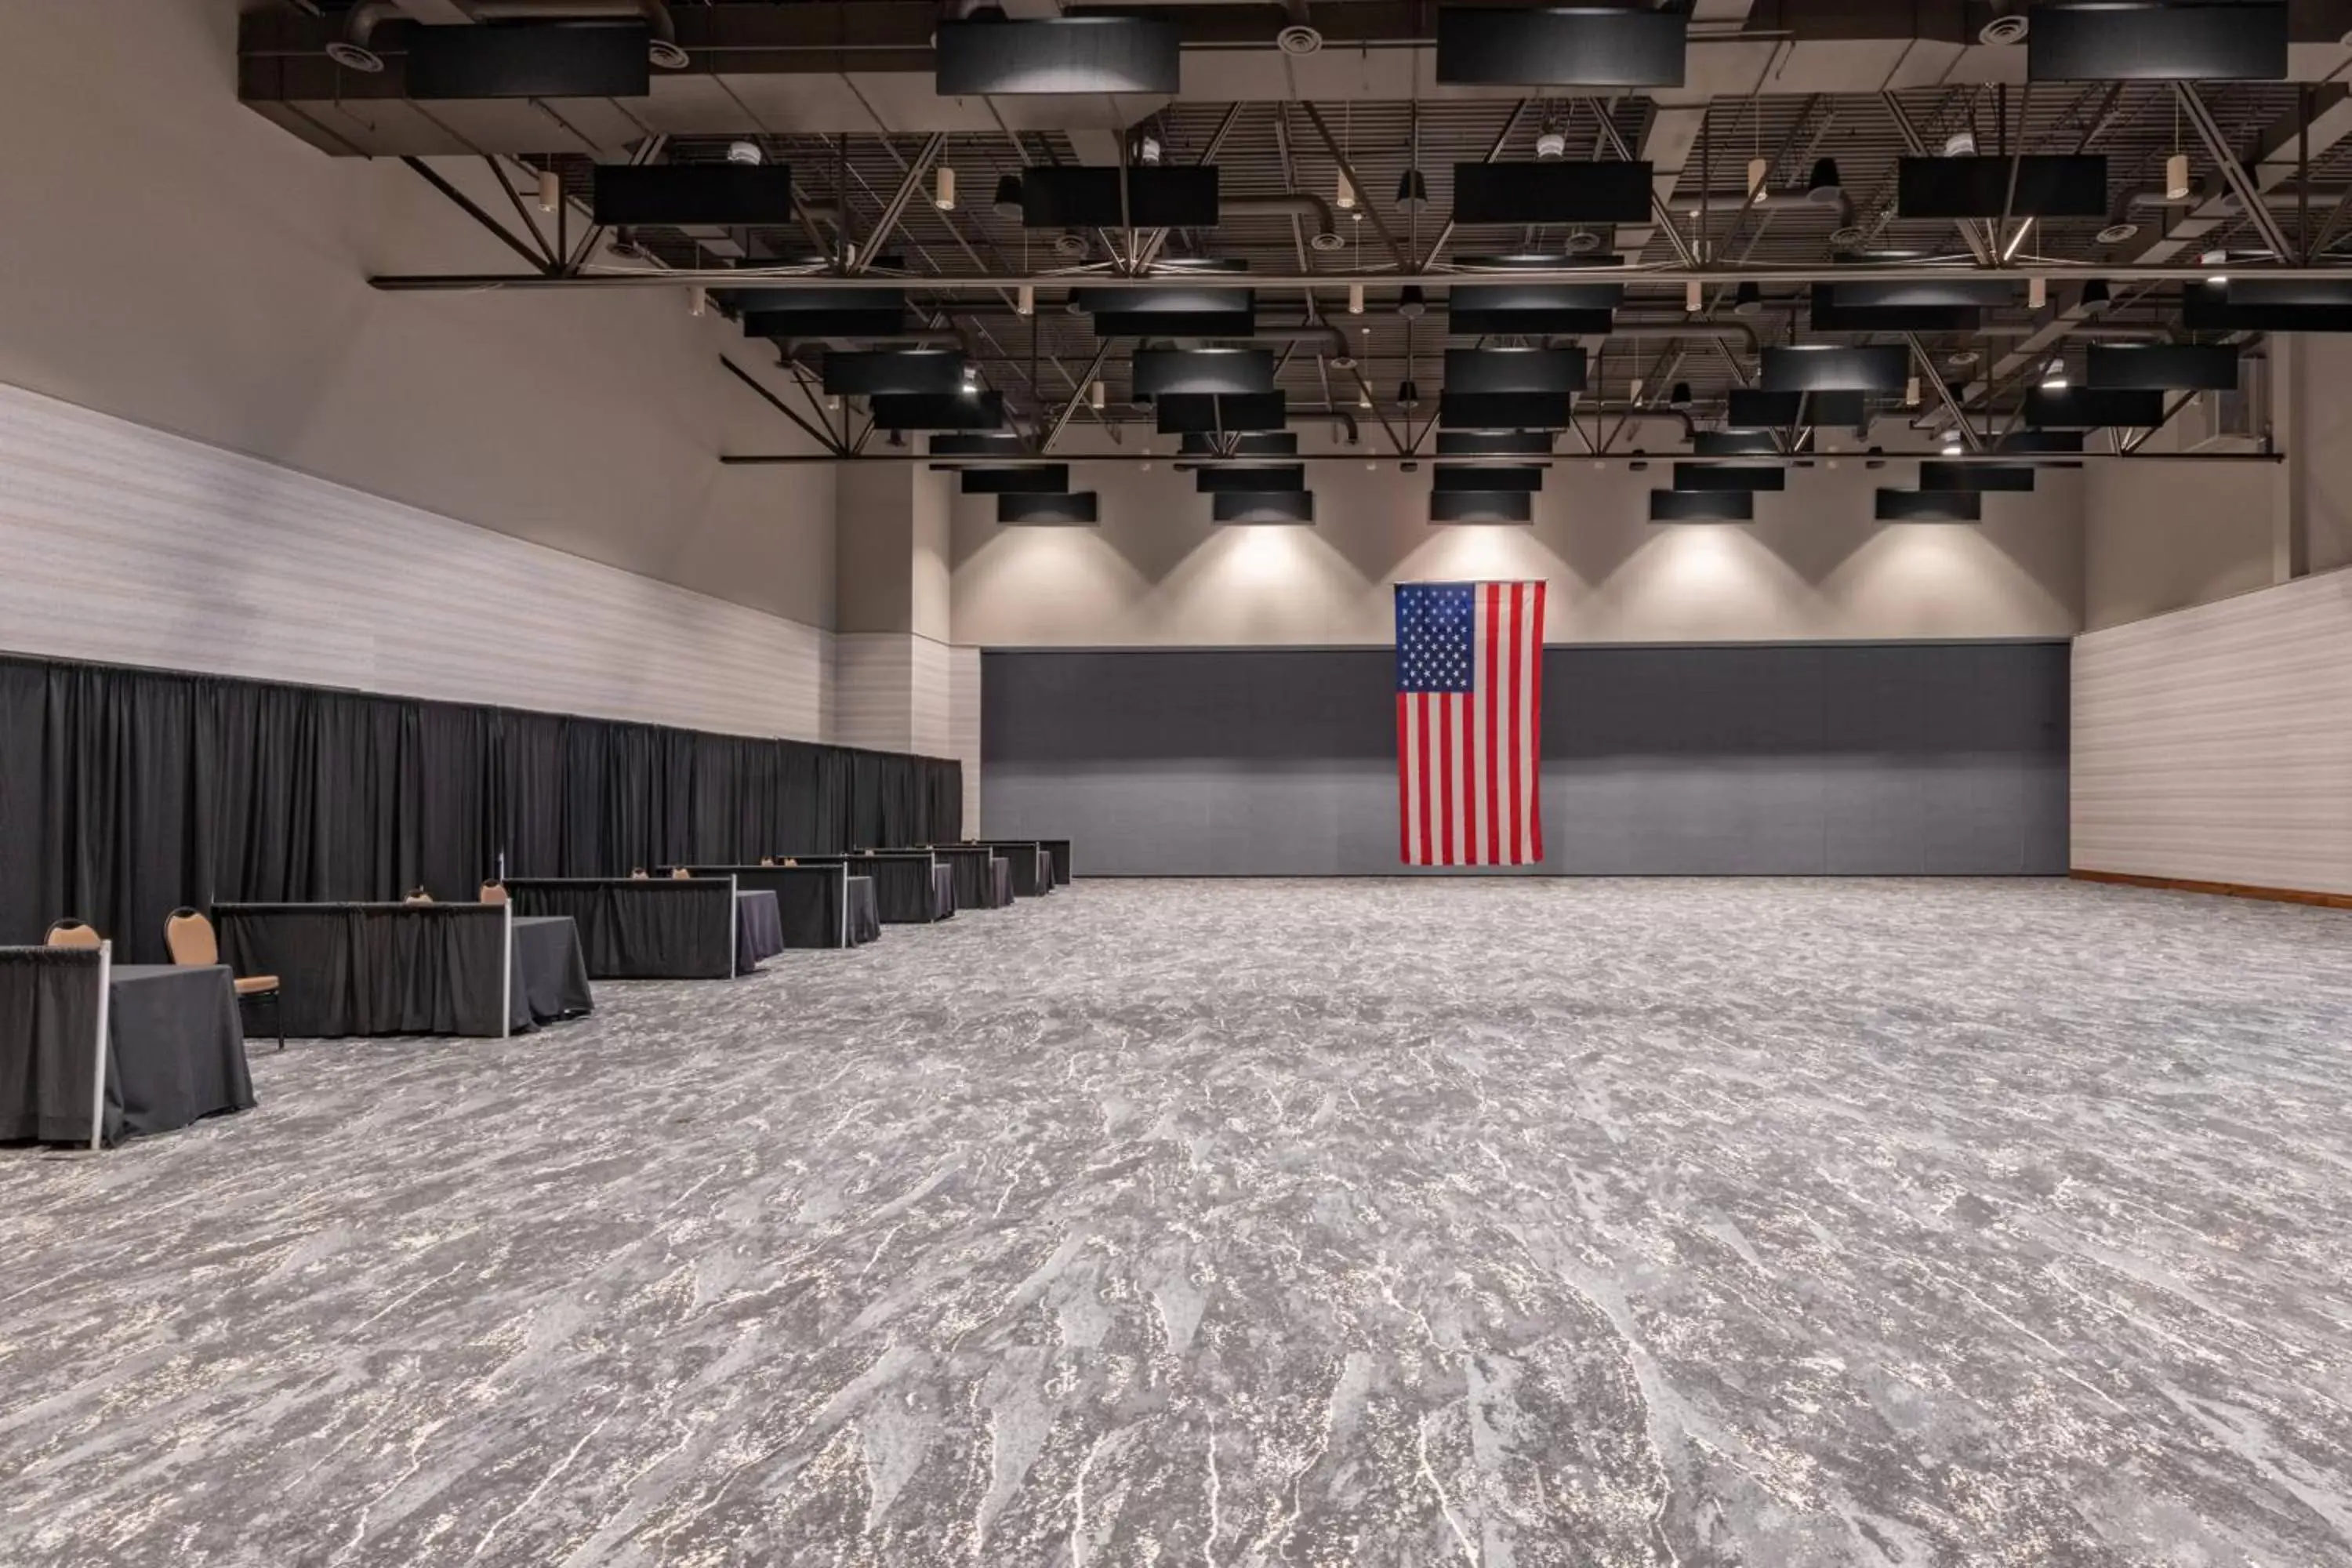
[(1008, 195), (745, 152), (1960, 144), (1748, 300), (1412, 304), (1678, 396), (1146, 151), (2054, 374), (2175, 178), (1070, 242), (833, 403), (2117, 233), (1413, 191), (1551, 145), (943, 196), (2216, 259), (1951, 440), (970, 379), (1408, 395), (2094, 294), (1823, 189), (1363, 396)]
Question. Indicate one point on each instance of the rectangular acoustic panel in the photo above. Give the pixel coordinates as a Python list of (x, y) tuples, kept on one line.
[(1473, 322), (1702, 506), (1696, 476), (2089, 408), (1552, 193), (949, 411), (1503, 411), (1262, 506), (2038, 442), (1930, 505), (2230, 40), (1481, 506), (1061, 55), (1734, 444), (1187, 300), (988, 444), (2012, 478), (1242, 479), (1256, 444), (1555, 370), (824, 323), (2318, 292), (919, 372), (1491, 476), (1560, 46), (1231, 371), (737, 195), (1956, 305), (1029, 479), (1494, 443), (1537, 299), (1237, 324), (2047, 185), (1074, 197), (528, 62), (2205, 308), (1750, 409), (2163, 367), (1048, 511), (1194, 412), (1815, 368)]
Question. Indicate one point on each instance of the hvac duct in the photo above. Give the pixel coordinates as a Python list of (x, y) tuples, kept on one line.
[(354, 48)]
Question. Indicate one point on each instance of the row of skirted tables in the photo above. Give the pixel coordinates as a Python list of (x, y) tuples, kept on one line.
[(92, 1051)]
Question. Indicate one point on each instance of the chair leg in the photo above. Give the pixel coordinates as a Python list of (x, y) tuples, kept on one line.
[(277, 1016)]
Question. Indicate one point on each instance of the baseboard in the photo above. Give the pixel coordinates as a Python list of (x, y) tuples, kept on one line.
[(2227, 889)]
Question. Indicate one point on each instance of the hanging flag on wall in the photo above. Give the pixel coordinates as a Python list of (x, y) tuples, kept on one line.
[(1469, 695)]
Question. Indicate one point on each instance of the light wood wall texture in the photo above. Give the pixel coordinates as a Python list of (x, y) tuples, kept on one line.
[(120, 544), (892, 692), (2214, 744)]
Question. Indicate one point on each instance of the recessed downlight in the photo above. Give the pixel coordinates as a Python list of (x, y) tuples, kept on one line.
[(2117, 233)]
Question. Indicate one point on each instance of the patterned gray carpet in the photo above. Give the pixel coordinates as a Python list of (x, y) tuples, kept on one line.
[(1510, 1223)]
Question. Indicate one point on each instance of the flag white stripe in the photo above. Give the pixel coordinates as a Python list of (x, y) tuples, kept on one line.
[(1419, 851)]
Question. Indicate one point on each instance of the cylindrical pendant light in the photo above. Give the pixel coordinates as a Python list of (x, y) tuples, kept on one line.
[(2175, 178), (1095, 399), (696, 300), (1693, 296), (1758, 170), (1911, 393), (944, 198), (2037, 291), (550, 190), (1024, 299), (1355, 298), (1345, 197)]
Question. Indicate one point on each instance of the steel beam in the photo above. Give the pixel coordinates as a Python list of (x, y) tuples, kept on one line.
[(466, 203), (1364, 202)]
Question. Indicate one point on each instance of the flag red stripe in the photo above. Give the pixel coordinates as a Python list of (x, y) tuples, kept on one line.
[(1494, 595), (1405, 787), (1445, 779), (1511, 676), (1420, 772), (1534, 715)]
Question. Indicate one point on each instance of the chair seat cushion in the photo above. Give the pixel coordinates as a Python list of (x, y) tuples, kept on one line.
[(253, 984)]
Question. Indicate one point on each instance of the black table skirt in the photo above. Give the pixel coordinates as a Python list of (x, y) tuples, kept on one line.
[(1031, 864), (1000, 882), (864, 920), (550, 972), (380, 969), (642, 927), (175, 1054), (943, 893), (759, 929), (907, 883), (975, 882)]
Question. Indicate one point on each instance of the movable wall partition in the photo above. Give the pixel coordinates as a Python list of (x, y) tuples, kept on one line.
[(1783, 759), (125, 794)]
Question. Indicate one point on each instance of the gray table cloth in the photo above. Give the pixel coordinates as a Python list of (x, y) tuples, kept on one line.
[(759, 929)]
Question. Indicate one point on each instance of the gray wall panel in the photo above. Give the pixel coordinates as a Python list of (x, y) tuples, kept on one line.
[(1857, 759)]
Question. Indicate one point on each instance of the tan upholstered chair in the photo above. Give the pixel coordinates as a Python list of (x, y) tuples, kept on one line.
[(73, 934), (494, 892), (679, 873), (767, 859), (190, 938), (417, 896), (636, 873), (791, 861)]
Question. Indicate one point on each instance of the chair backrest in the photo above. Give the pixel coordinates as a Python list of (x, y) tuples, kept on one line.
[(417, 896), (791, 861), (190, 938), (679, 873), (636, 873), (767, 859), (73, 934), (494, 892)]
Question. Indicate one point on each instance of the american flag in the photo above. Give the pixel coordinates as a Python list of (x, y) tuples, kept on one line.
[(1469, 694)]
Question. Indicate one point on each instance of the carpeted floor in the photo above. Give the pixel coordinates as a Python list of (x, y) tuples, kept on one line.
[(1314, 1223)]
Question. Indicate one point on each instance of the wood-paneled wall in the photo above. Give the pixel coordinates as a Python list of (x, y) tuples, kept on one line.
[(122, 544), (2214, 744)]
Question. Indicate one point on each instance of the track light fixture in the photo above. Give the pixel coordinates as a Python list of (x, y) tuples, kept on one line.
[(970, 379), (1960, 144), (747, 153), (2216, 260), (1008, 195), (1678, 396), (2095, 295), (1408, 395), (1551, 145), (1952, 440), (1413, 191), (2054, 374), (1823, 188), (1412, 303), (1748, 300)]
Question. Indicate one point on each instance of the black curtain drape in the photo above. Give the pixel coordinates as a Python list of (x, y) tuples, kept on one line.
[(125, 794)]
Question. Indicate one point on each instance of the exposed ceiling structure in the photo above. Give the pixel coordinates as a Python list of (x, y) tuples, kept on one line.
[(1775, 162)]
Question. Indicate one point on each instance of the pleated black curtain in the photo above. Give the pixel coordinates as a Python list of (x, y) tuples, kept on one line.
[(125, 794)]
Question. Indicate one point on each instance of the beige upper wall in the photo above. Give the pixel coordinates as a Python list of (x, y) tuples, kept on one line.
[(1815, 566), (171, 258)]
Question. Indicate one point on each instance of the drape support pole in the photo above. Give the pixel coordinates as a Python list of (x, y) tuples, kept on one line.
[(99, 1054)]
